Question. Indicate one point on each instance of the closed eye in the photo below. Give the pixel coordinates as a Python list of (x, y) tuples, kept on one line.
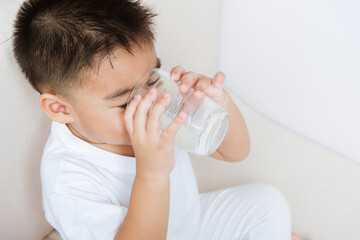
[(149, 85), (153, 83), (123, 106)]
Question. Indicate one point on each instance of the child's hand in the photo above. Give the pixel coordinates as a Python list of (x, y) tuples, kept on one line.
[(201, 84), (153, 147)]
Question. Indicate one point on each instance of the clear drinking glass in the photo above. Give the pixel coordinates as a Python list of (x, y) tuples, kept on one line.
[(206, 123)]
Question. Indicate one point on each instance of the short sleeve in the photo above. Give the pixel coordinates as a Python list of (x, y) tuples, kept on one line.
[(84, 214)]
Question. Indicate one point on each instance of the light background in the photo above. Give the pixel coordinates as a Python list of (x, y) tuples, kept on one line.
[(321, 185)]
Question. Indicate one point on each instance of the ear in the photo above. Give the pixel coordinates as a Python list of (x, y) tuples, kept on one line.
[(56, 108)]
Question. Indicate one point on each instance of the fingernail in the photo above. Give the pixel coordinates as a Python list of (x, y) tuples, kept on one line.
[(199, 92), (217, 84), (182, 114), (183, 86), (175, 75)]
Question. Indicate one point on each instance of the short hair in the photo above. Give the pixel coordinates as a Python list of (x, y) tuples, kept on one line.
[(54, 41)]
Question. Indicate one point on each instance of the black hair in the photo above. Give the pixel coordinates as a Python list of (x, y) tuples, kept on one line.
[(55, 40)]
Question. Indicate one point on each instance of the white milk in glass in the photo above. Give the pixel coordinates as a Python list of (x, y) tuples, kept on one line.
[(206, 122), (199, 139)]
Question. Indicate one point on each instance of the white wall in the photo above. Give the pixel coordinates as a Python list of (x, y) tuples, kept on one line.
[(188, 34), (297, 62)]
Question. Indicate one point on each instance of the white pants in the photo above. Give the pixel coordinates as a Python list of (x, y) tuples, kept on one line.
[(256, 211)]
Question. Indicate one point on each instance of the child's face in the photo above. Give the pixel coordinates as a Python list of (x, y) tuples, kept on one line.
[(98, 118)]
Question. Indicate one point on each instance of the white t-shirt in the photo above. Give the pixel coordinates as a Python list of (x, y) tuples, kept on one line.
[(86, 190)]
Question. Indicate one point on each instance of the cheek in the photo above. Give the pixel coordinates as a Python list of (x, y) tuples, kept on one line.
[(114, 128), (111, 121), (115, 118), (105, 125), (102, 117)]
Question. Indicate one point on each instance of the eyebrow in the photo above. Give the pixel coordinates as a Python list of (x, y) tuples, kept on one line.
[(120, 92)]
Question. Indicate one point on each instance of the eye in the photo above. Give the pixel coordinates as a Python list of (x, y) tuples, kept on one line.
[(149, 84), (153, 83), (123, 106)]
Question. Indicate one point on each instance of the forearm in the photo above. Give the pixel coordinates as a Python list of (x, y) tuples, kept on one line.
[(236, 143), (148, 212)]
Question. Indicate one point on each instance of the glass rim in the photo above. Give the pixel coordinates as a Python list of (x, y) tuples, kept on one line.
[(162, 73)]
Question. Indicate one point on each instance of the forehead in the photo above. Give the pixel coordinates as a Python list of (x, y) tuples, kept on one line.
[(119, 70)]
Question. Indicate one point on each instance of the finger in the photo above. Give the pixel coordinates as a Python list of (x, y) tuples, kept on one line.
[(153, 121), (201, 86), (142, 111), (129, 114), (218, 80), (177, 72), (188, 80), (169, 133)]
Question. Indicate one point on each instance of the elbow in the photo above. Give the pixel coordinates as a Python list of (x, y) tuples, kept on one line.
[(248, 148), (238, 158), (244, 155)]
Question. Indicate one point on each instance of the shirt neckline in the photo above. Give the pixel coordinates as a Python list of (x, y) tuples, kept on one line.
[(87, 149)]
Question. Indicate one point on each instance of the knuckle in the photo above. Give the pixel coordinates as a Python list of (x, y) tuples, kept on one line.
[(152, 116), (189, 76), (185, 78), (200, 87)]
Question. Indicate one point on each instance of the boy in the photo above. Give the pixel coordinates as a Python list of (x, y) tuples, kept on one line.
[(108, 171)]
